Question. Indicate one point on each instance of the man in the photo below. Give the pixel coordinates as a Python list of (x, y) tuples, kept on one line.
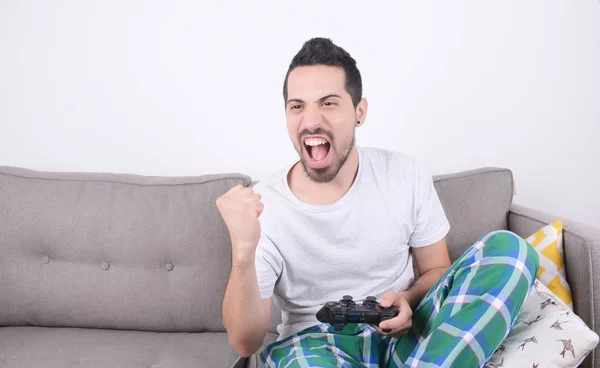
[(349, 220)]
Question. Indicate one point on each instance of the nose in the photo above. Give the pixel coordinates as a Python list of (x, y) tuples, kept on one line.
[(311, 118)]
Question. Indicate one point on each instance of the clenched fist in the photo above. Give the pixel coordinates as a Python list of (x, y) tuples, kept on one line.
[(240, 208)]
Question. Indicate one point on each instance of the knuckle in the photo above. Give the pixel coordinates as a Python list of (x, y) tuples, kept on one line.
[(221, 202), (234, 188)]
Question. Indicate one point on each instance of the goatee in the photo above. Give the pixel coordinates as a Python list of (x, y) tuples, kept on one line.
[(327, 174)]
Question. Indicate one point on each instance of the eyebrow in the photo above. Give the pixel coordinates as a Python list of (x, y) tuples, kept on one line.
[(297, 100)]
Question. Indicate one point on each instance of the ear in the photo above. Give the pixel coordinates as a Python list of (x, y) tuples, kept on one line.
[(361, 111)]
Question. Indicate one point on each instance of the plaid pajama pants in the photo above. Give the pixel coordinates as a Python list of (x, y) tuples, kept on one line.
[(459, 323)]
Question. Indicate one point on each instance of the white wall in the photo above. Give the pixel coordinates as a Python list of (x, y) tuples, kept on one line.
[(189, 87)]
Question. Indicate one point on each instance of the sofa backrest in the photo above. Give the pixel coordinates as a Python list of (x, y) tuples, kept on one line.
[(113, 251), (476, 202), (152, 253)]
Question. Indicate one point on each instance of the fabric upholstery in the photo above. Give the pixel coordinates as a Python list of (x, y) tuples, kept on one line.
[(121, 251), (113, 251), (582, 262), (40, 347), (476, 202), (254, 360)]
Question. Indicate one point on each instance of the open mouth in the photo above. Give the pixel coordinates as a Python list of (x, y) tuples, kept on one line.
[(317, 150)]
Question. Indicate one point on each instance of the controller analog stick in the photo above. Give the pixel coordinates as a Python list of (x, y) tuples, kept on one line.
[(371, 301)]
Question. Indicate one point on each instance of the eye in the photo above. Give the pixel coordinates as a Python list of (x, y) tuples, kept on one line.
[(329, 103), (295, 107)]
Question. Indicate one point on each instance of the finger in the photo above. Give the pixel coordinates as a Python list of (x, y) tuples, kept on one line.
[(258, 207), (376, 328), (388, 299), (235, 189), (380, 331), (395, 323), (253, 198), (244, 192), (392, 333), (397, 333), (401, 320)]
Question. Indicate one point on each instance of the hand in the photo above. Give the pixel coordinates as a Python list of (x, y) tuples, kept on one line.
[(240, 208), (402, 322)]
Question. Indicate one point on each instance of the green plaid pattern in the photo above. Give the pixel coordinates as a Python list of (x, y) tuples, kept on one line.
[(459, 323)]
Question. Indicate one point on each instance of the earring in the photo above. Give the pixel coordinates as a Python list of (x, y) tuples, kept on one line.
[(358, 122)]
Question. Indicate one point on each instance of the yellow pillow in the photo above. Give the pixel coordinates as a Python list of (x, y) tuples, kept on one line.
[(548, 242)]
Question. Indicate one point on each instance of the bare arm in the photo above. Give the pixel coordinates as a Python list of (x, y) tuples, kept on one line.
[(432, 261), (245, 313)]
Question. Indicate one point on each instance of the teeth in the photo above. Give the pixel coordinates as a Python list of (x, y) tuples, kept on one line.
[(314, 141)]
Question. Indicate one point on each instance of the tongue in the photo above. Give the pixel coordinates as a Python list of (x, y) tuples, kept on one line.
[(320, 152)]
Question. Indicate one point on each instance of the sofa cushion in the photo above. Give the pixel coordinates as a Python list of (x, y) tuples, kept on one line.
[(37, 347), (549, 245), (476, 202), (113, 251)]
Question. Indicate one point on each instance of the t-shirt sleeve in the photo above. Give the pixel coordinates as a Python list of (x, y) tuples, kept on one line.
[(431, 224), (268, 264)]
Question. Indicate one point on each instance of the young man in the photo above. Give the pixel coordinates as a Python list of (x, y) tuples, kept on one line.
[(349, 220)]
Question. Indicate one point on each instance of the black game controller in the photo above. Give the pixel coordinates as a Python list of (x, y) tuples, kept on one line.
[(347, 311)]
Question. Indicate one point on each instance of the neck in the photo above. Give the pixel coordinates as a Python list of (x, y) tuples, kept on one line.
[(311, 192)]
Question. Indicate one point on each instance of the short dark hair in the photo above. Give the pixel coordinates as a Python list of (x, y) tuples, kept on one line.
[(322, 51)]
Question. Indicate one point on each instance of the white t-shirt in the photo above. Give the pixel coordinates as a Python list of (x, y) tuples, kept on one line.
[(359, 246)]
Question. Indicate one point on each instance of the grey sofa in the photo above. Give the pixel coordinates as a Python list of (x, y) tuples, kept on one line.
[(114, 270)]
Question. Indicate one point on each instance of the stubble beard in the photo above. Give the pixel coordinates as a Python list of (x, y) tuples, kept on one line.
[(327, 174)]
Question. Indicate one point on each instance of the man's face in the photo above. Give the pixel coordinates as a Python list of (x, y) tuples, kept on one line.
[(321, 119)]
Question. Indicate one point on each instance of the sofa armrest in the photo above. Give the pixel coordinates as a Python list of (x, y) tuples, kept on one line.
[(582, 263)]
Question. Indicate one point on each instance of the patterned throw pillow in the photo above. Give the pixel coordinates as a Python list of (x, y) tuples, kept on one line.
[(546, 334), (548, 242)]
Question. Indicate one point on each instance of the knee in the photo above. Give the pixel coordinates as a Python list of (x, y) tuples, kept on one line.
[(505, 243), (501, 237)]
